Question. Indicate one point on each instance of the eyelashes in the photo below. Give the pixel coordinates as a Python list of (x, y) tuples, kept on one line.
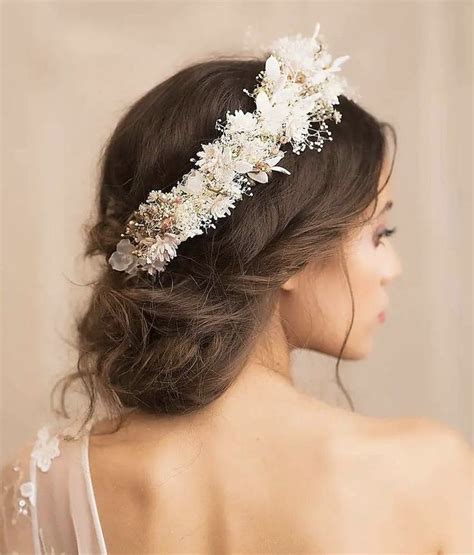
[(385, 233)]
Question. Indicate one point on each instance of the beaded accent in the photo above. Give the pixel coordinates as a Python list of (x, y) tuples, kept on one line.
[(26, 497)]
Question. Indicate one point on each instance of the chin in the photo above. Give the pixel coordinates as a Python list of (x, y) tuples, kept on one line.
[(356, 350)]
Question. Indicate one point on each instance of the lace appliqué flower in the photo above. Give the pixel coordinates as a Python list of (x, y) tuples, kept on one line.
[(45, 449)]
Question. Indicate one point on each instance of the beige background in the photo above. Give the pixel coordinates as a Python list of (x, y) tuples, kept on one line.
[(69, 69)]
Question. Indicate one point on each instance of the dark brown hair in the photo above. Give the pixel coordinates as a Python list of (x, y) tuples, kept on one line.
[(175, 343)]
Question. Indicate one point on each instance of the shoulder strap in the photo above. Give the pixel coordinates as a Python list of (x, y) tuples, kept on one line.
[(46, 498)]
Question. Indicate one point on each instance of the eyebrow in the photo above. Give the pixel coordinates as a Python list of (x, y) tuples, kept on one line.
[(387, 206)]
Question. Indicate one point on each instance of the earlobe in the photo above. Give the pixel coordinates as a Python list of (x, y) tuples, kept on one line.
[(289, 284)]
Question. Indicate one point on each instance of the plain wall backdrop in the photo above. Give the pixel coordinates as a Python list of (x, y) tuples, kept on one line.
[(70, 69)]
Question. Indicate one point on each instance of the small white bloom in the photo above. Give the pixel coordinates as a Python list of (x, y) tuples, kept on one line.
[(242, 122), (297, 123), (332, 89), (164, 248), (27, 489), (297, 52), (261, 176), (45, 449), (271, 116), (194, 182), (221, 206), (224, 174), (153, 196), (212, 155)]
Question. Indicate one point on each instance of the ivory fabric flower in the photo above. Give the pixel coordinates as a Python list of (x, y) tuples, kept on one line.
[(46, 448), (122, 258)]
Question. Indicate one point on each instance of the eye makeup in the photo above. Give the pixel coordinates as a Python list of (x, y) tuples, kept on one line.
[(387, 232)]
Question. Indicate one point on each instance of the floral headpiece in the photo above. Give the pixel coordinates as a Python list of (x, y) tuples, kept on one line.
[(298, 87)]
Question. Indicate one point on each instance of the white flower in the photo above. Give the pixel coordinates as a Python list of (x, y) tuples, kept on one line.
[(212, 155), (262, 176), (272, 116), (242, 166), (218, 160), (332, 89), (45, 449), (163, 249), (242, 122), (286, 95), (153, 196), (221, 206), (194, 182), (224, 174), (297, 123), (27, 489), (122, 259), (297, 52)]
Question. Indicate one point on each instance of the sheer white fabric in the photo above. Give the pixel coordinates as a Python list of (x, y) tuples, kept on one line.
[(47, 498)]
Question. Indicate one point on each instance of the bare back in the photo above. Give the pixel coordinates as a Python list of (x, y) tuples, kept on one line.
[(315, 481)]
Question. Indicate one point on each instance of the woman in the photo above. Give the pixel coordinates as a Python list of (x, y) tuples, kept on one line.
[(206, 446)]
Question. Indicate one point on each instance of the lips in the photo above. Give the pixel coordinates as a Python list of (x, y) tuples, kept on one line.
[(381, 317)]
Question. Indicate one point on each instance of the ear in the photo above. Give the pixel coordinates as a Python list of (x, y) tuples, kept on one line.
[(290, 284)]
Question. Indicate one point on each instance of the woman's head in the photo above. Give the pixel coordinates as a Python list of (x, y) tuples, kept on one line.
[(316, 304), (176, 344)]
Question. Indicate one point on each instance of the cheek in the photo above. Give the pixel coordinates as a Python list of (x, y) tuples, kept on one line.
[(364, 273)]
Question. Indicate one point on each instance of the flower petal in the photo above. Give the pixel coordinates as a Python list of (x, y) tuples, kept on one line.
[(120, 261), (335, 66), (261, 177), (241, 166), (262, 102), (125, 246), (316, 31), (275, 159), (194, 183), (280, 169), (272, 68)]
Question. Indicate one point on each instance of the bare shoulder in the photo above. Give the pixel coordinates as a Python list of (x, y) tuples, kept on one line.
[(432, 465), (445, 462), (433, 452), (421, 470)]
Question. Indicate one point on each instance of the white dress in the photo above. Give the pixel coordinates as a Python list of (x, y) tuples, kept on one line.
[(47, 498)]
